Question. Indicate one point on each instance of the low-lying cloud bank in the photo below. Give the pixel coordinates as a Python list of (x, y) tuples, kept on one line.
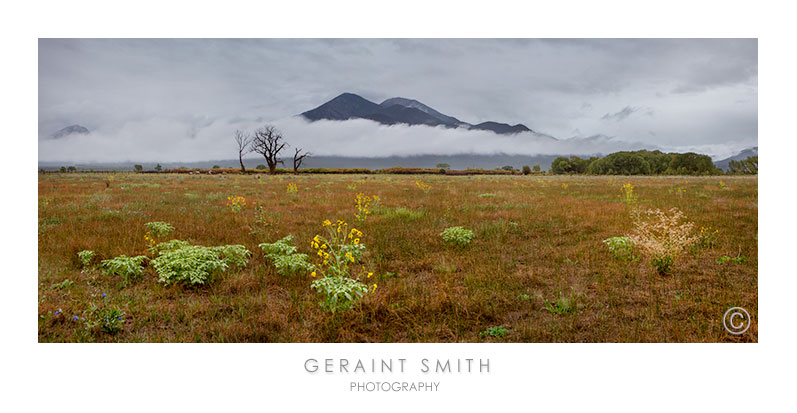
[(176, 140)]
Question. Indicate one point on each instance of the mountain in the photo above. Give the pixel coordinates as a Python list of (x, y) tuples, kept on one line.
[(344, 107), (70, 130), (502, 128), (412, 103), (724, 163), (400, 110)]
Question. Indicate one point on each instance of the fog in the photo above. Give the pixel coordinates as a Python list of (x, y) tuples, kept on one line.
[(181, 99)]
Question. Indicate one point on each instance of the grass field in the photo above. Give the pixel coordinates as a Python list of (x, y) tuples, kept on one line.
[(537, 265)]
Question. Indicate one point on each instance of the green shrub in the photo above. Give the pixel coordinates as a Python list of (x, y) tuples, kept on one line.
[(340, 293), (663, 263), (159, 229), (236, 255), (170, 245), (294, 264), (126, 267), (285, 258), (621, 248), (458, 236), (85, 257), (495, 332), (279, 248), (193, 264)]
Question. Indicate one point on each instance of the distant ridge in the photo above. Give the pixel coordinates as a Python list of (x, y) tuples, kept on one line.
[(400, 110), (724, 164)]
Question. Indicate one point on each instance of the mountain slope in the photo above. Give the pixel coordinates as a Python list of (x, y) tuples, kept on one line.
[(724, 163), (412, 103), (343, 107), (399, 110), (69, 130)]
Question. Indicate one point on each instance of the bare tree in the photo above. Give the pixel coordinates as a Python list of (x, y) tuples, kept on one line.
[(298, 158), (244, 142), (268, 142)]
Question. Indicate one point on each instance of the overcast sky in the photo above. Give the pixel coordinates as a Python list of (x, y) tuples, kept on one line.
[(180, 100)]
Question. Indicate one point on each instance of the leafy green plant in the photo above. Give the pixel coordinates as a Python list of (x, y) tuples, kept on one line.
[(663, 263), (285, 258), (494, 332), (63, 284), (279, 248), (236, 255), (458, 236), (166, 246), (85, 257), (110, 320), (562, 305), (126, 267), (340, 293), (193, 264), (291, 265), (159, 229), (736, 260), (337, 251), (621, 248)]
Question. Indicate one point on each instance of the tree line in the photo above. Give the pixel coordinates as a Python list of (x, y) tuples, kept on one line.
[(646, 162)]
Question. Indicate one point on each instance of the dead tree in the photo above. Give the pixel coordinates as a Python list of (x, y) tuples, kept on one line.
[(244, 142), (268, 142), (298, 158)]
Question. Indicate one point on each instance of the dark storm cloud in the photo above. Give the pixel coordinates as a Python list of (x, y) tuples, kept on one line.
[(180, 99)]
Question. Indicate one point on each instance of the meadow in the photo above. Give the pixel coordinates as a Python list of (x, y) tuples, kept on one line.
[(536, 270)]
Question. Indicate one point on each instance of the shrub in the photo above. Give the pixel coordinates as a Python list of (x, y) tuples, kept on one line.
[(294, 264), (285, 258), (236, 255), (340, 293), (85, 257), (281, 247), (193, 264), (526, 170), (159, 229), (168, 246), (621, 248), (458, 236), (124, 266), (662, 236), (340, 249), (495, 332)]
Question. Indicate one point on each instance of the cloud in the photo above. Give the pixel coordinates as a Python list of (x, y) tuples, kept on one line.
[(621, 115), (186, 140), (703, 91)]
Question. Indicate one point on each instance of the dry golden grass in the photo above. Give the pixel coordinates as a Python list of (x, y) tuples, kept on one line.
[(535, 239)]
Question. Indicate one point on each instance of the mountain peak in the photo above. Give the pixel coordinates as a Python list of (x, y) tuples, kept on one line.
[(400, 110), (70, 130)]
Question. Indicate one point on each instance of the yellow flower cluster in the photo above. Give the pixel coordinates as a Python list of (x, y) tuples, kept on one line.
[(628, 194), (292, 188), (424, 187), (363, 204), (236, 203), (564, 185), (149, 239)]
